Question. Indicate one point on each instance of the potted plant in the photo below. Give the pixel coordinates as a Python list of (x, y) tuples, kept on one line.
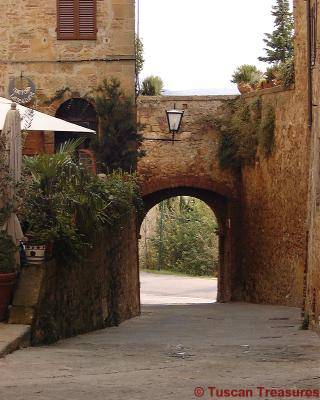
[(8, 273), (247, 77), (48, 206), (39, 226), (270, 77)]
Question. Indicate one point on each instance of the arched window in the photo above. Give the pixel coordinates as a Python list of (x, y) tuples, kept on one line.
[(78, 111)]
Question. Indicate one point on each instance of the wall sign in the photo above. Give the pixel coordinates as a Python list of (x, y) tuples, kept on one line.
[(21, 90)]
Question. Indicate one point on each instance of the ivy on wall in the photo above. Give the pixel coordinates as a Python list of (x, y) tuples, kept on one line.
[(246, 130)]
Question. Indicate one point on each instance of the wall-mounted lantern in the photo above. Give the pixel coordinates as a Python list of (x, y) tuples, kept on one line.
[(174, 121)]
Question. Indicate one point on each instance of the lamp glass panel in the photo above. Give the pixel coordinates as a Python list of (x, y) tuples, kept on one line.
[(174, 120)]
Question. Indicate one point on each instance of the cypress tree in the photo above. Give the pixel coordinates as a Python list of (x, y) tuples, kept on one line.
[(280, 42), (119, 144)]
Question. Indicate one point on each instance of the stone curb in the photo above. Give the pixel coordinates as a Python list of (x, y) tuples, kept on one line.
[(21, 341)]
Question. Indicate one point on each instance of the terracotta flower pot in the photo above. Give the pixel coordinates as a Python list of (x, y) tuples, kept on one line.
[(244, 88), (268, 85), (7, 282)]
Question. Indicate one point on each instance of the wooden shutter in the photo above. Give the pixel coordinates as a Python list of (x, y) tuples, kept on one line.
[(77, 20), (67, 19), (87, 19)]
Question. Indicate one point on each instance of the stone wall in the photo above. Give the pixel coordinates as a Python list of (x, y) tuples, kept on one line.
[(103, 290), (192, 160), (274, 209), (275, 193), (313, 281)]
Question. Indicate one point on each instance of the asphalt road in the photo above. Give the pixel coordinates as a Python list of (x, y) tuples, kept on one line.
[(173, 289)]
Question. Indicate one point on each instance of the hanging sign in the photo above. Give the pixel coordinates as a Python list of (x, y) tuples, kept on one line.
[(21, 90)]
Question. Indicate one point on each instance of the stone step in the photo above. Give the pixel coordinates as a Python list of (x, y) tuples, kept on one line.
[(13, 337)]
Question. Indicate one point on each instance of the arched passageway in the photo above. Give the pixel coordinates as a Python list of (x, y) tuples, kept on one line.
[(226, 212), (179, 253)]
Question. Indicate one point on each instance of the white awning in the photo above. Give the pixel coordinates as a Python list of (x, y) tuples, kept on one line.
[(33, 120)]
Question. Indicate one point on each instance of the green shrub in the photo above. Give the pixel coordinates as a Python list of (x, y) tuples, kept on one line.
[(247, 74), (286, 72), (152, 86), (7, 253), (67, 205), (271, 73), (239, 127), (242, 131)]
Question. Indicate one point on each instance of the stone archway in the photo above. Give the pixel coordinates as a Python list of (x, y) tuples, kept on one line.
[(225, 208), (80, 112)]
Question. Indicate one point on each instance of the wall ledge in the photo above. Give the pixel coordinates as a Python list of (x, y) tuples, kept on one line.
[(263, 92)]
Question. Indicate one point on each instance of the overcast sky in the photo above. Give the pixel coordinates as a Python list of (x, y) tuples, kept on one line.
[(197, 44)]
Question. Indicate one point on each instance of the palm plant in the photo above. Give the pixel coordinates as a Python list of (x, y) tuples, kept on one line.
[(47, 171)]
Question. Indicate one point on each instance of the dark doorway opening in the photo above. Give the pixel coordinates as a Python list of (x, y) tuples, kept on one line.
[(77, 111)]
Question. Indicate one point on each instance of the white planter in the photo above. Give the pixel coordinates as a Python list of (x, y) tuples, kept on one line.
[(35, 253)]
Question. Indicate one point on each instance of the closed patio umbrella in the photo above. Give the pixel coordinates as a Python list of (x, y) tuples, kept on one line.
[(12, 132)]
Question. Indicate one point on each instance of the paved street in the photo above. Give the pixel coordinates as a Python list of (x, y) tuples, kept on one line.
[(173, 289), (167, 352)]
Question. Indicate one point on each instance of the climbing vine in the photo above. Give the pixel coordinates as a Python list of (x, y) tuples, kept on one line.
[(245, 129), (266, 133), (59, 95)]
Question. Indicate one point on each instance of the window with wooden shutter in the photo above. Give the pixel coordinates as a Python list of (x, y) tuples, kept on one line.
[(77, 20)]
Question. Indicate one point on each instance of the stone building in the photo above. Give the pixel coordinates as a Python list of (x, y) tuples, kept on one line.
[(313, 257), (67, 48)]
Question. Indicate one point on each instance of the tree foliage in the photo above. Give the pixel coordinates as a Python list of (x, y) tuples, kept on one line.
[(119, 145), (152, 86), (139, 55), (185, 240), (280, 43)]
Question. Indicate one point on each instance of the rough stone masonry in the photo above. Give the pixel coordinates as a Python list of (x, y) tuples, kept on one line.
[(269, 215)]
